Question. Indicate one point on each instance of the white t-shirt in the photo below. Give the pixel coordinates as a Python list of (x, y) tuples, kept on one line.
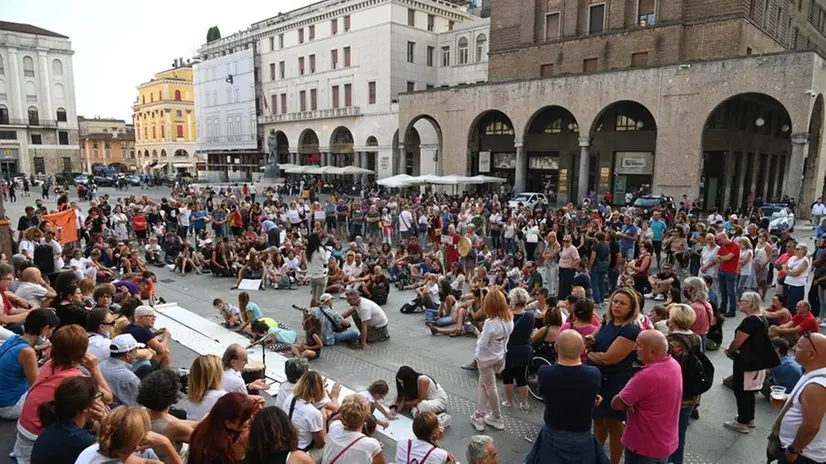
[(233, 382), (405, 221), (746, 268), (706, 257), (80, 264), (371, 313), (284, 391), (197, 411), (91, 456), (408, 450), (183, 217), (33, 293), (338, 438), (351, 270), (795, 263), (307, 420)]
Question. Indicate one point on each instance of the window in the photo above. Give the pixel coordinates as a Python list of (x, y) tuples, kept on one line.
[(312, 32), (31, 92), (63, 137), (430, 51), (371, 93), (639, 59), (312, 64), (590, 65), (335, 97), (179, 131), (334, 59), (179, 113), (274, 103), (301, 65), (411, 51), (552, 26), (28, 66), (283, 103), (154, 132), (645, 12), (163, 132), (272, 71), (411, 86), (37, 139), (498, 128), (481, 48), (411, 17), (348, 95), (280, 40), (61, 115), (334, 26), (596, 19), (313, 99), (445, 56), (546, 70), (463, 52), (34, 119), (428, 86), (57, 68), (555, 127), (346, 57), (302, 100), (282, 69), (2, 70), (272, 43), (301, 35), (346, 23), (625, 124), (8, 135), (430, 22), (4, 115), (450, 25), (177, 95)]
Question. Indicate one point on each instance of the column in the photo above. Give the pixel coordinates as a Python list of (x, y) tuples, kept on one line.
[(46, 95), (584, 161), (521, 167), (753, 180), (15, 87), (794, 175), (190, 133), (400, 159), (741, 181), (729, 165), (778, 181)]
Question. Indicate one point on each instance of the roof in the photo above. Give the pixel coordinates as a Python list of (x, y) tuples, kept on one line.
[(28, 29)]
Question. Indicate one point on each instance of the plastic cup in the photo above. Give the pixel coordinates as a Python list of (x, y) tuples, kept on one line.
[(777, 395)]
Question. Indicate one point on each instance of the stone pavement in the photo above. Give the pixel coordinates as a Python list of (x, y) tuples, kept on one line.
[(440, 356)]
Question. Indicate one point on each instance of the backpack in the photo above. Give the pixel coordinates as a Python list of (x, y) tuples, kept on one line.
[(44, 258), (698, 373)]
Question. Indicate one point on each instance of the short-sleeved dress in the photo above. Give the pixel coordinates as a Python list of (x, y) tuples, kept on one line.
[(614, 377)]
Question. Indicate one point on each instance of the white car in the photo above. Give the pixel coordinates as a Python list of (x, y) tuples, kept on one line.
[(781, 218), (529, 199)]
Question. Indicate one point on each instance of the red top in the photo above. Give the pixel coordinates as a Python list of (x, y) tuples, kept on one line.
[(804, 324), (139, 222), (731, 266), (42, 391), (7, 306)]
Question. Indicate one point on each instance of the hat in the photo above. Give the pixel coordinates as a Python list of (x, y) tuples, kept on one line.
[(144, 310), (733, 217), (123, 344), (325, 298)]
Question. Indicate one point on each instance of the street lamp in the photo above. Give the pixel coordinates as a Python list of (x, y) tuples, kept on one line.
[(759, 122)]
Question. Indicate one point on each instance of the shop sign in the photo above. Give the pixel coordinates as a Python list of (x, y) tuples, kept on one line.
[(484, 161), (634, 163), (504, 160)]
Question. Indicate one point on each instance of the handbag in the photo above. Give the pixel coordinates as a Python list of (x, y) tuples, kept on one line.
[(774, 450), (760, 355)]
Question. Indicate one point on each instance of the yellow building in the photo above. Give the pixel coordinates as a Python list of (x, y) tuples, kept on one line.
[(164, 117)]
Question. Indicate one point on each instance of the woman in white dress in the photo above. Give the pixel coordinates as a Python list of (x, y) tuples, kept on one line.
[(550, 256), (119, 222)]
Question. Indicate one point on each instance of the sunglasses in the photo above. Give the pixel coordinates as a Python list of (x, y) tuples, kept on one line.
[(808, 336)]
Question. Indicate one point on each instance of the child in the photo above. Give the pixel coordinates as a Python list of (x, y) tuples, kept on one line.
[(369, 427), (659, 317), (139, 224), (82, 267), (229, 312), (311, 349), (103, 295), (273, 335), (153, 252), (376, 392)]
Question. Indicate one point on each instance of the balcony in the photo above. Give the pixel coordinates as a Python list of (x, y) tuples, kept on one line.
[(26, 122), (346, 112), (227, 139)]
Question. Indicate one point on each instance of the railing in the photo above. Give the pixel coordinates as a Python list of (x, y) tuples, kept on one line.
[(349, 111), (28, 122), (228, 138)]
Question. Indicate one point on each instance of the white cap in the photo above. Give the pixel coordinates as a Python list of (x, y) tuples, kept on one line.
[(325, 297), (123, 344)]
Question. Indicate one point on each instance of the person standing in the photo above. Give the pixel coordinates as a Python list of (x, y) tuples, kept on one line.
[(658, 227), (568, 260), (651, 400), (728, 259), (317, 259), (628, 237), (818, 211), (519, 349), (599, 263), (796, 270)]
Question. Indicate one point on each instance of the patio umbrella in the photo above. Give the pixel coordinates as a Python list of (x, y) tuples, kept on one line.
[(298, 169), (355, 170), (397, 181), (488, 179)]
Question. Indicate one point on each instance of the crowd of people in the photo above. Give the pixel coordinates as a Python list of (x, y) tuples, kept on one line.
[(624, 306)]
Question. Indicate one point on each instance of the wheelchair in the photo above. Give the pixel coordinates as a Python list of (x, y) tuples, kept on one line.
[(543, 355)]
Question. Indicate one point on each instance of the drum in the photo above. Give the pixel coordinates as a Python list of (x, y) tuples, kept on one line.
[(252, 372)]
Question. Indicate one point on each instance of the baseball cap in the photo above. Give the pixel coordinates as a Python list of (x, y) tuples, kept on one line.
[(325, 298), (124, 344), (144, 310)]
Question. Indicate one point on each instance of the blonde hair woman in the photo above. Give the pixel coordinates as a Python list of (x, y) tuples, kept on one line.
[(745, 275), (341, 444), (312, 434), (683, 342), (121, 433), (490, 358), (550, 256), (205, 386), (612, 352)]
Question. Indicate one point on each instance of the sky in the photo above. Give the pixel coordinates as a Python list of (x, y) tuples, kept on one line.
[(122, 43)]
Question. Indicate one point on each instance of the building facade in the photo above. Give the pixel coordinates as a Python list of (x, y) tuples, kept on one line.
[(107, 142), (226, 119), (164, 117), (38, 116), (721, 101)]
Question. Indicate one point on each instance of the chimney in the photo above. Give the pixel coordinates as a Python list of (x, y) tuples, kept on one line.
[(175, 63)]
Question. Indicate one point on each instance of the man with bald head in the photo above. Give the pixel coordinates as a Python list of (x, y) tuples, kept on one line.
[(802, 435), (652, 400), (33, 288), (569, 390)]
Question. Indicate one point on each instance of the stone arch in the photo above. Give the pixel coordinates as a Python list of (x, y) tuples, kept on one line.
[(551, 141), (282, 147), (493, 131), (422, 147), (119, 166), (163, 153), (746, 149), (812, 166), (308, 148), (181, 152)]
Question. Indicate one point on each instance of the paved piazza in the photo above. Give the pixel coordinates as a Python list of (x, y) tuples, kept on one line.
[(440, 357)]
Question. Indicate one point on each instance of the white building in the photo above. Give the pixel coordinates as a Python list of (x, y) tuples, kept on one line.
[(226, 124), (463, 53), (38, 117)]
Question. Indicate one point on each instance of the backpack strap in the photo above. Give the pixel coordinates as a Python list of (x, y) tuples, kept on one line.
[(424, 459), (333, 461), (292, 407)]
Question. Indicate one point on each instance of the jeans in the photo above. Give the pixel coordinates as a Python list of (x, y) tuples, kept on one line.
[(529, 250), (792, 296), (488, 395), (432, 315), (685, 416), (821, 294), (599, 282), (741, 285), (613, 276), (634, 458), (510, 246), (348, 335), (727, 292)]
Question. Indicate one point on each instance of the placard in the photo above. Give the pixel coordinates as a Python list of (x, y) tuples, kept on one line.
[(249, 284), (484, 161)]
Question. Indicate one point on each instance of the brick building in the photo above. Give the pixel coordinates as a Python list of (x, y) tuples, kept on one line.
[(720, 100)]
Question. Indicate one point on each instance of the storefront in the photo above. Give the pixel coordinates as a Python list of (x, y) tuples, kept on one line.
[(633, 172), (310, 159), (543, 175), (501, 165), (9, 157)]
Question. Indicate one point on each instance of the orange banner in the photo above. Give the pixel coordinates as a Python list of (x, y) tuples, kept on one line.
[(64, 224)]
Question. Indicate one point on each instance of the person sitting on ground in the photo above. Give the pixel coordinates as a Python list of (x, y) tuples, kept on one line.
[(368, 317), (311, 348), (468, 316), (234, 361), (152, 252), (205, 386), (425, 447), (663, 282), (802, 322), (427, 295), (294, 368), (249, 312), (309, 421), (788, 372), (481, 450), (272, 335), (377, 288), (104, 295), (69, 307), (229, 312), (158, 392), (418, 393), (334, 329), (274, 439), (158, 341), (777, 314), (117, 370), (345, 441), (34, 288)]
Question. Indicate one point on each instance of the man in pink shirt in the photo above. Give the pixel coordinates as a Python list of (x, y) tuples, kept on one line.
[(652, 401)]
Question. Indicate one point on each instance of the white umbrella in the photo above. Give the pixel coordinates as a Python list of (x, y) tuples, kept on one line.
[(284, 166), (322, 170), (488, 179), (397, 181), (298, 169), (355, 170), (437, 180)]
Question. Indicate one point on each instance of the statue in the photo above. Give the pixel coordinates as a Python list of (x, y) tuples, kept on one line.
[(272, 155)]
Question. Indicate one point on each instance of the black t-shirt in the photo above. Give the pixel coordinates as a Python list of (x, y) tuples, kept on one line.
[(141, 334), (602, 250), (569, 393), (614, 252), (670, 275), (25, 222)]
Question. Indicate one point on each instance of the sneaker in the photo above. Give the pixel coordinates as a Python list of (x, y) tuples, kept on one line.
[(649, 295), (822, 323), (731, 314), (736, 426), (507, 404), (496, 422), (445, 420), (751, 425), (477, 422), (524, 406), (659, 297)]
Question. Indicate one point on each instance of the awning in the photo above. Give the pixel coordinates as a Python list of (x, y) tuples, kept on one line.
[(160, 166), (146, 164), (183, 165)]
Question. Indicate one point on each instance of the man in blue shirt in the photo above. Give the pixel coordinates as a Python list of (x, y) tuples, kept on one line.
[(658, 227), (789, 371), (628, 237)]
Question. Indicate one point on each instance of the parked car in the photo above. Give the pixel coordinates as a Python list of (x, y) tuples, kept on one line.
[(102, 181), (529, 199), (81, 179), (781, 218), (646, 203), (133, 180)]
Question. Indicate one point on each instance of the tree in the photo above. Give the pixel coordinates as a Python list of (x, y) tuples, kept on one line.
[(213, 34)]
